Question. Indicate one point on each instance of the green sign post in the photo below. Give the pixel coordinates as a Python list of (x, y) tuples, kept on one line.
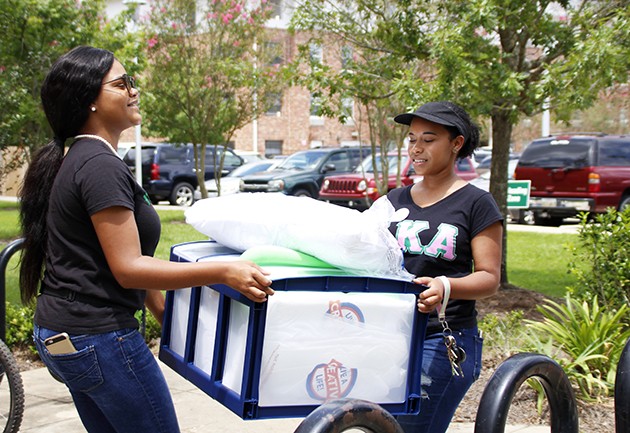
[(518, 194)]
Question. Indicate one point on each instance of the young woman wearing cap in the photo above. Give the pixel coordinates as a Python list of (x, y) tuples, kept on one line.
[(451, 239), (90, 233)]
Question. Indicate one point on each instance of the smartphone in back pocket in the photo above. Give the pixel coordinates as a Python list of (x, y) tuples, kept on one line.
[(59, 344)]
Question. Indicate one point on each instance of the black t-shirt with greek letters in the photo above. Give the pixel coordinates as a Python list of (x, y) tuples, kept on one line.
[(436, 240), (91, 178)]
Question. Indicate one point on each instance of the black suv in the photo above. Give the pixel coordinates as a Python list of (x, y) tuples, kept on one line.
[(576, 172), (168, 170), (302, 173)]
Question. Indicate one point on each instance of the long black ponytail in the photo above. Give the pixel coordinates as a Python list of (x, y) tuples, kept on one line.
[(72, 84)]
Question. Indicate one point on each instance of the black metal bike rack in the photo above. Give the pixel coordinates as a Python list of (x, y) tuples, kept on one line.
[(622, 391), (5, 256), (343, 414), (506, 380)]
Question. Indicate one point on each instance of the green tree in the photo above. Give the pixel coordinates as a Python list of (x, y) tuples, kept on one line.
[(33, 34), (360, 35), (500, 59), (212, 68)]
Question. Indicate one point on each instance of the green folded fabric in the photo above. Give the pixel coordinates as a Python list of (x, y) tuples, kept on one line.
[(271, 255)]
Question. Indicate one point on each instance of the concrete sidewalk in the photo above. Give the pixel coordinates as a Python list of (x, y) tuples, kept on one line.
[(49, 409)]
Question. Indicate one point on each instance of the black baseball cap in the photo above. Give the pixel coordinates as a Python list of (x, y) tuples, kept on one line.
[(437, 112)]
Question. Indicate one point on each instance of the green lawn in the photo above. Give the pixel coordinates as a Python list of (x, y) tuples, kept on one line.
[(539, 261), (536, 261)]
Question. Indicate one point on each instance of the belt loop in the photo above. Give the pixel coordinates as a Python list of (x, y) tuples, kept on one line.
[(71, 295)]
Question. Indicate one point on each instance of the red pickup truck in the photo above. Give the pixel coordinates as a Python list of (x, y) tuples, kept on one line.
[(358, 189)]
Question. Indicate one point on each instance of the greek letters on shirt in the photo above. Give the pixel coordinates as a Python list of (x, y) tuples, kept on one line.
[(443, 244)]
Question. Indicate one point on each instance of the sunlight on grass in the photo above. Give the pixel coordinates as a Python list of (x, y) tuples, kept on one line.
[(9, 220), (175, 231), (539, 261)]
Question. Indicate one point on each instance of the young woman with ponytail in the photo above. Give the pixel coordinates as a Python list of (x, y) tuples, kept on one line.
[(90, 234)]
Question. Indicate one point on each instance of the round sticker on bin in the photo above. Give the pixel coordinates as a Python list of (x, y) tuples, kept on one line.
[(330, 381), (346, 311)]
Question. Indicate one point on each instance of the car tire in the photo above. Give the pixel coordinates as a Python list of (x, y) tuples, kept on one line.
[(182, 194), (547, 221), (303, 193), (625, 202), (525, 216)]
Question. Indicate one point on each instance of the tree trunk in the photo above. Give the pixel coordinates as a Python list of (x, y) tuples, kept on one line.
[(501, 138)]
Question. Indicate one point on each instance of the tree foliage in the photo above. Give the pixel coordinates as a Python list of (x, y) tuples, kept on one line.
[(211, 70), (500, 59), (372, 57), (33, 34)]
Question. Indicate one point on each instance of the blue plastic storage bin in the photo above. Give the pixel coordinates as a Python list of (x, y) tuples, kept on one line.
[(323, 335)]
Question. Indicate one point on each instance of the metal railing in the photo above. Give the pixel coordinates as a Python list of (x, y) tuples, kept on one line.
[(5, 256)]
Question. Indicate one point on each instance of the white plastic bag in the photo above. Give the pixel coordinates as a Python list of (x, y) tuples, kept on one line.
[(357, 242)]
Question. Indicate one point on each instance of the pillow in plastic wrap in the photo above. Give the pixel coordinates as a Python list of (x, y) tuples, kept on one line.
[(357, 242)]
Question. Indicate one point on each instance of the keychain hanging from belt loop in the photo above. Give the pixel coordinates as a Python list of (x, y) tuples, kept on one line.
[(456, 354)]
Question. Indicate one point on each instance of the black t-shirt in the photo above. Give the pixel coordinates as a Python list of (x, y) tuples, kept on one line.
[(91, 178), (436, 240)]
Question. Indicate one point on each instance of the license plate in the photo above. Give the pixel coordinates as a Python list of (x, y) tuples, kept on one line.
[(543, 202)]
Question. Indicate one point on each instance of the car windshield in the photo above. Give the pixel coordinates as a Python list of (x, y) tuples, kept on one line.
[(253, 167), (302, 160), (557, 153), (367, 167)]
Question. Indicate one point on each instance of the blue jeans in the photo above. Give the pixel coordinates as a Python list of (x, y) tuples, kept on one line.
[(441, 391), (115, 382)]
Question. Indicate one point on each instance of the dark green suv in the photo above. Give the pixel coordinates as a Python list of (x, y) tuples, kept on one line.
[(168, 170), (302, 173)]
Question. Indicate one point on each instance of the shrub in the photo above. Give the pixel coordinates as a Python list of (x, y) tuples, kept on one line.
[(152, 329), (19, 325), (503, 333), (585, 339), (601, 261)]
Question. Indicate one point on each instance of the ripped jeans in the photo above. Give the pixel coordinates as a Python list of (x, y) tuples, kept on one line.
[(116, 384), (441, 391)]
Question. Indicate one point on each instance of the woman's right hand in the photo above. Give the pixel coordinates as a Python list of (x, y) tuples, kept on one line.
[(249, 279), (431, 298)]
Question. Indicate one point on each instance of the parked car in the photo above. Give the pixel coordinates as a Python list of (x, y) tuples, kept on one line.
[(571, 173), (479, 154), (358, 189), (486, 162), (250, 155), (168, 170), (520, 216), (230, 184), (302, 173)]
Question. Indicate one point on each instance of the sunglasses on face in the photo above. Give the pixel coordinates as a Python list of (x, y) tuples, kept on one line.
[(130, 82)]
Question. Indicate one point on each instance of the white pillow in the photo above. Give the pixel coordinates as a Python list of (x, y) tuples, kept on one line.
[(360, 243)]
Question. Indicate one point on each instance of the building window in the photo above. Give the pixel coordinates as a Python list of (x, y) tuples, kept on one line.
[(276, 8), (316, 53), (347, 109), (274, 103), (273, 148), (274, 53), (316, 110), (346, 56), (316, 105)]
